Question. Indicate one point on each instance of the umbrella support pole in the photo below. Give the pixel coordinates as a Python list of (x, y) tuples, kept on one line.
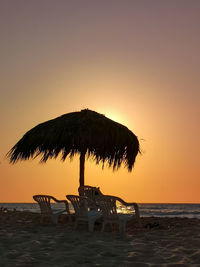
[(82, 167)]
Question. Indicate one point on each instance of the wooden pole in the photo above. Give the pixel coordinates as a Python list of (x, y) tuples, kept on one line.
[(82, 167)]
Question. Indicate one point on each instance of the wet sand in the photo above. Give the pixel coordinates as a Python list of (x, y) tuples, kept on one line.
[(158, 242)]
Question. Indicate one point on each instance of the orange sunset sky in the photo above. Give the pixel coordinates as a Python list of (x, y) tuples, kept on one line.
[(137, 62)]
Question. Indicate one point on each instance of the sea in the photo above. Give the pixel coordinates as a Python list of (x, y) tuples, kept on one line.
[(146, 210)]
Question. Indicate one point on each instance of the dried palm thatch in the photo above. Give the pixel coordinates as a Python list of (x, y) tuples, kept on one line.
[(85, 133)]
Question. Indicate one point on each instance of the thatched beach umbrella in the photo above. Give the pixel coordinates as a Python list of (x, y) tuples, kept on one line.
[(86, 133)]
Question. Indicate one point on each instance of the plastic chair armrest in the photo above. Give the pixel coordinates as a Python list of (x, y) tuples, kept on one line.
[(135, 205), (62, 201)]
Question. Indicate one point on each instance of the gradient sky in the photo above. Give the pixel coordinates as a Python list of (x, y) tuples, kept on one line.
[(137, 62)]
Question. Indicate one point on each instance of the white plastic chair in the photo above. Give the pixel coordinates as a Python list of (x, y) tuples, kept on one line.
[(107, 205), (83, 213), (47, 211)]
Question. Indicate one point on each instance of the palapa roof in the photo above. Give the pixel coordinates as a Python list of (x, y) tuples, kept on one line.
[(79, 132)]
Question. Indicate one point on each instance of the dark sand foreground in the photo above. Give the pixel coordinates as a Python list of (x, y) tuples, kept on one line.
[(158, 242)]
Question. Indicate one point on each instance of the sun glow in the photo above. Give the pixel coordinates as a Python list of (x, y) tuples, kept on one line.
[(116, 116)]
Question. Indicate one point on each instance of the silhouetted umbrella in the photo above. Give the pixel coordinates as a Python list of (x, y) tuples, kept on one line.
[(86, 133)]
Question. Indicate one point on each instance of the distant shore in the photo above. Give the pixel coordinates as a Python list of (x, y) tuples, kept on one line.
[(159, 241)]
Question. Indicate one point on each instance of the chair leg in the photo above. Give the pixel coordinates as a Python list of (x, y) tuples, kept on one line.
[(41, 219), (70, 218), (91, 225), (112, 227), (103, 227), (76, 224), (122, 227), (55, 218)]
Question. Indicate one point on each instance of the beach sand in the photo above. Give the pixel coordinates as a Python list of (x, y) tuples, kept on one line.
[(158, 242)]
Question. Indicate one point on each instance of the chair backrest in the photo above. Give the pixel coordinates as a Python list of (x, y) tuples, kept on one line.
[(107, 205), (89, 191), (80, 205), (44, 203)]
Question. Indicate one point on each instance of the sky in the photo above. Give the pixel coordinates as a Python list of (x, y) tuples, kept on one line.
[(136, 61)]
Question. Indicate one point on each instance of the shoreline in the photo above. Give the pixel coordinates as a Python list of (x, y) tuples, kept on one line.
[(158, 242), (146, 210)]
